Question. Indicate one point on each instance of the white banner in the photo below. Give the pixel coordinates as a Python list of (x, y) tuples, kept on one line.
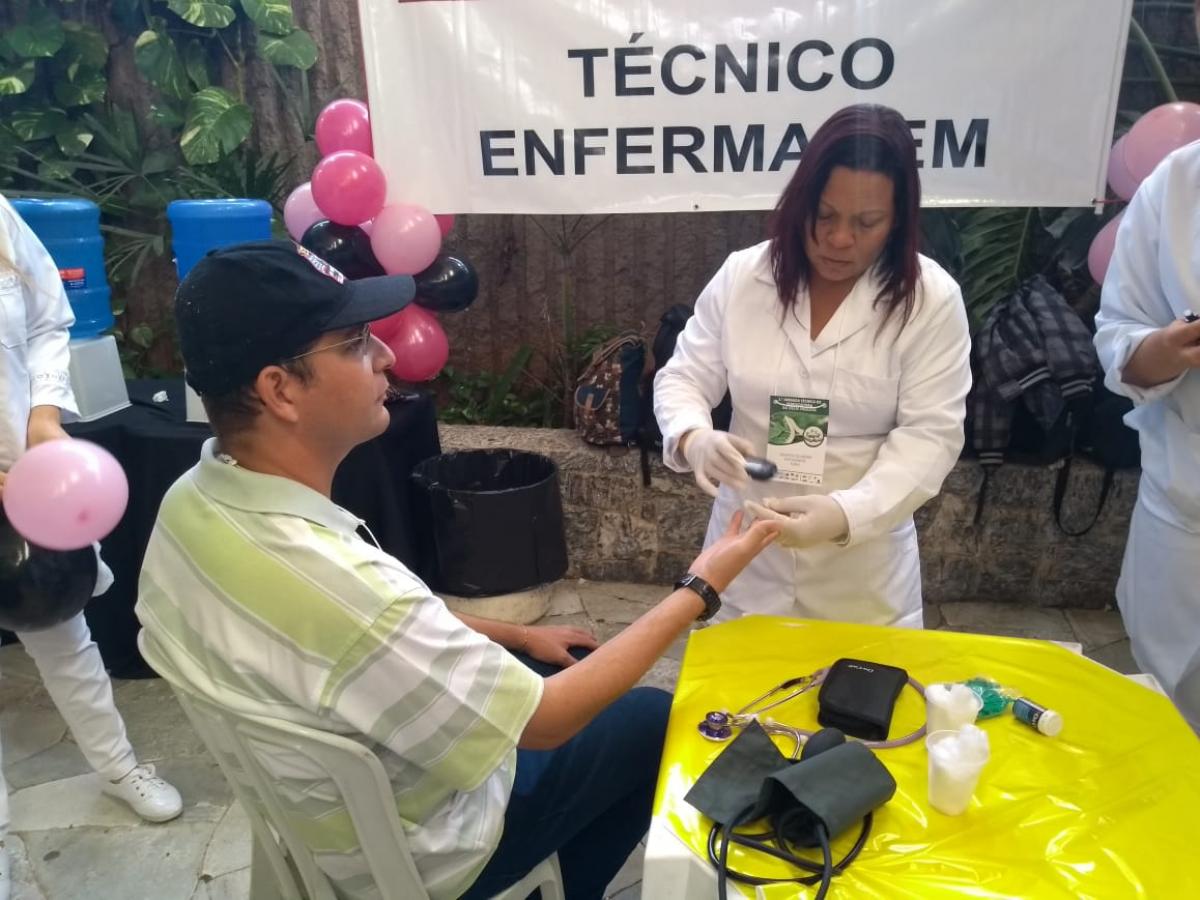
[(606, 106)]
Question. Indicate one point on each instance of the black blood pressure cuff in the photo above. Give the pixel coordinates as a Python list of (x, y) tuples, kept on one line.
[(832, 788), (858, 697)]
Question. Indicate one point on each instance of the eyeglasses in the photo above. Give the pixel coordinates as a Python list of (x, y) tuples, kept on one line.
[(360, 343)]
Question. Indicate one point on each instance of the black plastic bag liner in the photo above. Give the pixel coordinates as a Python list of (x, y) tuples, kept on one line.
[(497, 520)]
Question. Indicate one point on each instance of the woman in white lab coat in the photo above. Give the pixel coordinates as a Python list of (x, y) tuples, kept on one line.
[(35, 391), (1151, 354), (837, 324)]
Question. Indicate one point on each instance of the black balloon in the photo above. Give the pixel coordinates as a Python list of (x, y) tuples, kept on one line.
[(41, 588), (345, 247), (449, 285)]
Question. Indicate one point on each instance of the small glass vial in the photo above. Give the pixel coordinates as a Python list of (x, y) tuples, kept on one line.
[(1045, 721)]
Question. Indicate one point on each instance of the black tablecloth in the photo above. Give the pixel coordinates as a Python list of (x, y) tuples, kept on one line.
[(155, 445)]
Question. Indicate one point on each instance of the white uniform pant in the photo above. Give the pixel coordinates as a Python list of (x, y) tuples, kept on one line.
[(74, 676), (1159, 597)]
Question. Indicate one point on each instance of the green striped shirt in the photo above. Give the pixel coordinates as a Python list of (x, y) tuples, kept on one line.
[(262, 594)]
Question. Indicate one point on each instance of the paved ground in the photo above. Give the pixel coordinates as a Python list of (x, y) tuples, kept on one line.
[(69, 842)]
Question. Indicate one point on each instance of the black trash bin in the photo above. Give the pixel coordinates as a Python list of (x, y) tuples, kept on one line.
[(497, 521)]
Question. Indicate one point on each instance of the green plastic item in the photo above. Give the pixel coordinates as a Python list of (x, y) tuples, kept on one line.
[(996, 698)]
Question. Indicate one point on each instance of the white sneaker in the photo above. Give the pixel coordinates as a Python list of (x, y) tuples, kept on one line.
[(147, 795), (5, 874)]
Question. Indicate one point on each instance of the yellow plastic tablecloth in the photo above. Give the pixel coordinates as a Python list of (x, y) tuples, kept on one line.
[(1108, 809)]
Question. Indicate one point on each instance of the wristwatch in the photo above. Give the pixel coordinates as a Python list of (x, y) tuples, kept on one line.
[(707, 593)]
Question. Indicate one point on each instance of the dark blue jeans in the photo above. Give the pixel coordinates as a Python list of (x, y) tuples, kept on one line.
[(588, 800)]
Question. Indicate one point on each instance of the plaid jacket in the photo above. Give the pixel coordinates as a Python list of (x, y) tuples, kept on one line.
[(1032, 349)]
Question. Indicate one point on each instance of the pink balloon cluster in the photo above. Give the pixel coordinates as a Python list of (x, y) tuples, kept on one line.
[(1134, 156), (349, 187), (65, 494)]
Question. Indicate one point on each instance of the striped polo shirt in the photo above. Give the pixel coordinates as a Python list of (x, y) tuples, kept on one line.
[(261, 592)]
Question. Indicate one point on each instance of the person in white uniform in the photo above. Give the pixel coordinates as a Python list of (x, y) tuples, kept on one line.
[(1151, 354), (36, 392), (846, 353)]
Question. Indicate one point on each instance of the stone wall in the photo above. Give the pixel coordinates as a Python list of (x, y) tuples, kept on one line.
[(617, 530)]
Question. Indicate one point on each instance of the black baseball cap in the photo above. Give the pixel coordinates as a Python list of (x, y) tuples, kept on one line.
[(247, 306)]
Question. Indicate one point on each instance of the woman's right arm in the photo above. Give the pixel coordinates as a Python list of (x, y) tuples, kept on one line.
[(695, 379), (1143, 346)]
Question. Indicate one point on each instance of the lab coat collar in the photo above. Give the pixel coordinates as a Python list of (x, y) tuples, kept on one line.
[(856, 312)]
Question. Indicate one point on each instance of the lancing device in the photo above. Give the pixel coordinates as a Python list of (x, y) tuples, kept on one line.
[(760, 469)]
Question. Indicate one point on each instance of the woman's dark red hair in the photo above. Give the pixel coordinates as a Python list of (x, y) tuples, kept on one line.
[(867, 138)]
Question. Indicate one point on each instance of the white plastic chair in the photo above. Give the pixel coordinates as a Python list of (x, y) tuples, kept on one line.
[(282, 865)]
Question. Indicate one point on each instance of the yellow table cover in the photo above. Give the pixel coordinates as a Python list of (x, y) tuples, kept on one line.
[(1108, 809)]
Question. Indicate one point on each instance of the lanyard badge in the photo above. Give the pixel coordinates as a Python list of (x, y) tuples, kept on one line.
[(797, 434)]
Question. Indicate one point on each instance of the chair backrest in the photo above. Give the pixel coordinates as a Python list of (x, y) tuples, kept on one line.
[(236, 740)]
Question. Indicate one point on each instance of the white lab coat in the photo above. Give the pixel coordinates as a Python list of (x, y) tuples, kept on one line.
[(34, 318), (1154, 277), (895, 428), (35, 354)]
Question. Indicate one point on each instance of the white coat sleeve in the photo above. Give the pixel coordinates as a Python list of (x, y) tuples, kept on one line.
[(925, 443), (48, 317), (1132, 303), (695, 379)]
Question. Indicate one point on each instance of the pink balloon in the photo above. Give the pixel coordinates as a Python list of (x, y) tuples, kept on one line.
[(406, 239), (1101, 251), (385, 329), (65, 494), (367, 226), (349, 187), (1159, 132), (300, 211), (344, 125), (1122, 182), (420, 345), (446, 223)]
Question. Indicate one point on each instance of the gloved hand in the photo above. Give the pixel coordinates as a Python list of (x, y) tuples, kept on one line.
[(716, 456), (806, 520)]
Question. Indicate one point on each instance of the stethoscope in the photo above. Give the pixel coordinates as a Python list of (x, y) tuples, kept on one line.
[(718, 725)]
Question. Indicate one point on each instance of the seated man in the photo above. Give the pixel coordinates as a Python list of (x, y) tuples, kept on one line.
[(265, 595)]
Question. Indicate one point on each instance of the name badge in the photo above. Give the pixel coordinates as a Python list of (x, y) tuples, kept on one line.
[(796, 436)]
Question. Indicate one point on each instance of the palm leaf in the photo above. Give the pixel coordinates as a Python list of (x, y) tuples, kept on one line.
[(995, 253)]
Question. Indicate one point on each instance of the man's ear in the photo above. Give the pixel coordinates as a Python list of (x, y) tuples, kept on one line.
[(279, 390)]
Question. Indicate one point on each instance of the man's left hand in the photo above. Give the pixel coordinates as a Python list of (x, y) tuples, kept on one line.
[(551, 643)]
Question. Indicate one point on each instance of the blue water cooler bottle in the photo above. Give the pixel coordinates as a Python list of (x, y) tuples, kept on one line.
[(70, 230), (198, 226)]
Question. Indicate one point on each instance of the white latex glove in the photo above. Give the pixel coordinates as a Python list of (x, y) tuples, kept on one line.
[(806, 520), (717, 456)]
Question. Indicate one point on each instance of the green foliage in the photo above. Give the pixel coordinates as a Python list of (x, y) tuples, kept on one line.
[(992, 251), (485, 398), (62, 133)]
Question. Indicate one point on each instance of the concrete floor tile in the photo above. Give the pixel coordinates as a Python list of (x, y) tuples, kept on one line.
[(28, 731), (564, 599), (16, 663), (229, 849), (157, 725), (619, 603), (630, 874), (1007, 621), (67, 803), (234, 886), (157, 863), (1116, 656), (1096, 627), (205, 792), (23, 885), (63, 760)]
